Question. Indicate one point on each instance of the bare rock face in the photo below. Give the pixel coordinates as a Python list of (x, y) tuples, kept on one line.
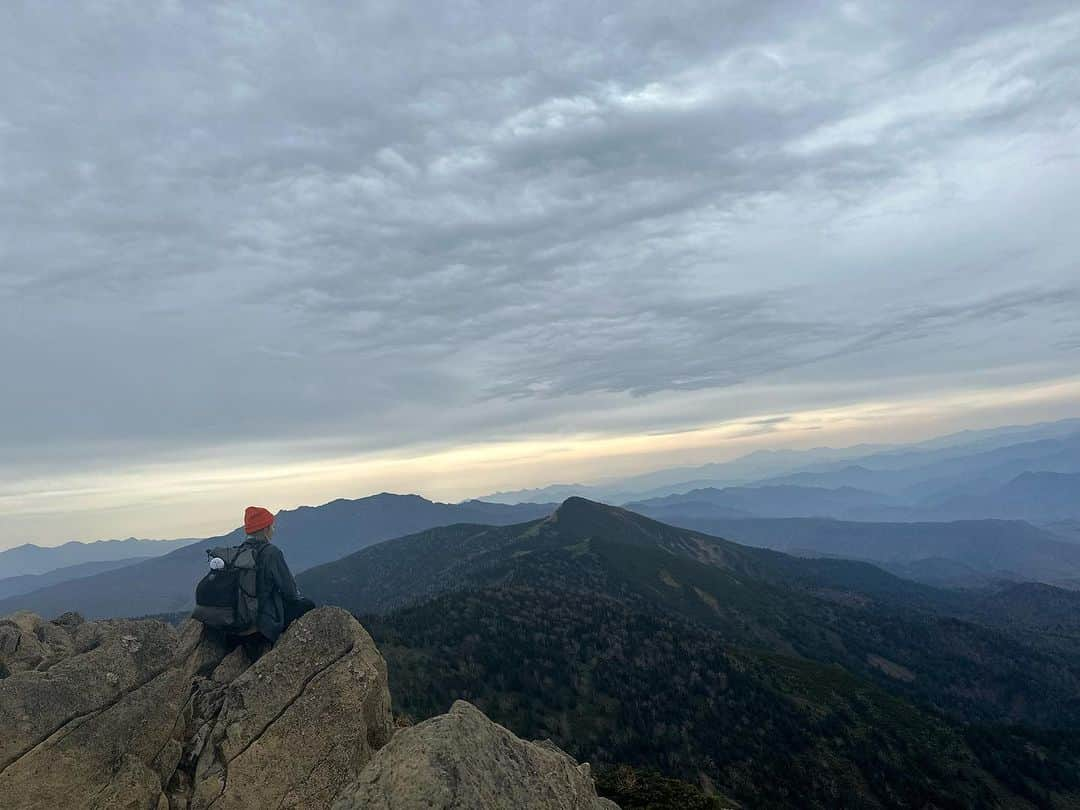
[(295, 726), (133, 714), (29, 642), (64, 687), (137, 715), (463, 760)]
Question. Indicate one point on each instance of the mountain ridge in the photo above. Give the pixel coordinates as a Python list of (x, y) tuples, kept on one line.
[(641, 642), (751, 596), (761, 466), (26, 583), (309, 535), (32, 559), (992, 548)]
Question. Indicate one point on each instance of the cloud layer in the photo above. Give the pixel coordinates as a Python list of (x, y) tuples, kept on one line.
[(289, 225)]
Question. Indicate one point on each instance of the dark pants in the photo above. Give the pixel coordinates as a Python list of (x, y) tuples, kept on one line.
[(255, 645), (295, 608)]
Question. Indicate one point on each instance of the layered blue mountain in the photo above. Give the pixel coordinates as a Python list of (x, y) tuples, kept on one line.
[(993, 483), (309, 536), (29, 559), (764, 501), (12, 586), (966, 463), (1042, 496), (1068, 529)]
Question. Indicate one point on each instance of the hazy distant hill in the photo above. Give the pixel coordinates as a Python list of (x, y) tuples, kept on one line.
[(308, 536), (762, 501), (32, 559), (1035, 496), (968, 552), (751, 467), (1038, 497), (942, 484), (961, 463), (26, 583), (1065, 529)]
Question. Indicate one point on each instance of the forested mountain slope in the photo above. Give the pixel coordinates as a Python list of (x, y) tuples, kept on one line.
[(832, 611), (614, 681)]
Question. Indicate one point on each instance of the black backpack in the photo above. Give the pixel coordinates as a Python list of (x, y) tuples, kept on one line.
[(226, 598)]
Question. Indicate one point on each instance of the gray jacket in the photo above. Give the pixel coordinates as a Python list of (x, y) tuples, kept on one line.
[(274, 584)]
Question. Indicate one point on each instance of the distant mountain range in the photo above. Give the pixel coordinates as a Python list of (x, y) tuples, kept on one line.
[(952, 477), (777, 501), (752, 467), (962, 488), (389, 575), (961, 553), (12, 586), (32, 559), (1066, 529), (1040, 497), (309, 536), (1033, 496), (1029, 473)]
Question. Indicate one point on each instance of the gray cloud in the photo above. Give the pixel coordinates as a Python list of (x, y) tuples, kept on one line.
[(386, 225)]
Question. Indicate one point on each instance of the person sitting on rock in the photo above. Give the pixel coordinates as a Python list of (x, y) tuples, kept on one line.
[(279, 600)]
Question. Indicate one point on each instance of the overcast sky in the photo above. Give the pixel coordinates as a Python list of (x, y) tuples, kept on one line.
[(286, 252)]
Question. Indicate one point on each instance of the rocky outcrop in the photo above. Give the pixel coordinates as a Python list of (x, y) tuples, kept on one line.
[(29, 642), (105, 679), (463, 760), (137, 714), (134, 714), (295, 726)]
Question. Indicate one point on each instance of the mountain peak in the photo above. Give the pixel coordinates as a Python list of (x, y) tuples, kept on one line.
[(580, 518), (577, 510)]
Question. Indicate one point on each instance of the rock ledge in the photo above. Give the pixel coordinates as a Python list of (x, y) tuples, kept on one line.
[(136, 714)]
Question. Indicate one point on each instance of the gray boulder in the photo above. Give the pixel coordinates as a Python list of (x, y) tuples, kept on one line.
[(463, 760), (62, 684), (29, 642), (137, 715), (298, 724), (133, 714)]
